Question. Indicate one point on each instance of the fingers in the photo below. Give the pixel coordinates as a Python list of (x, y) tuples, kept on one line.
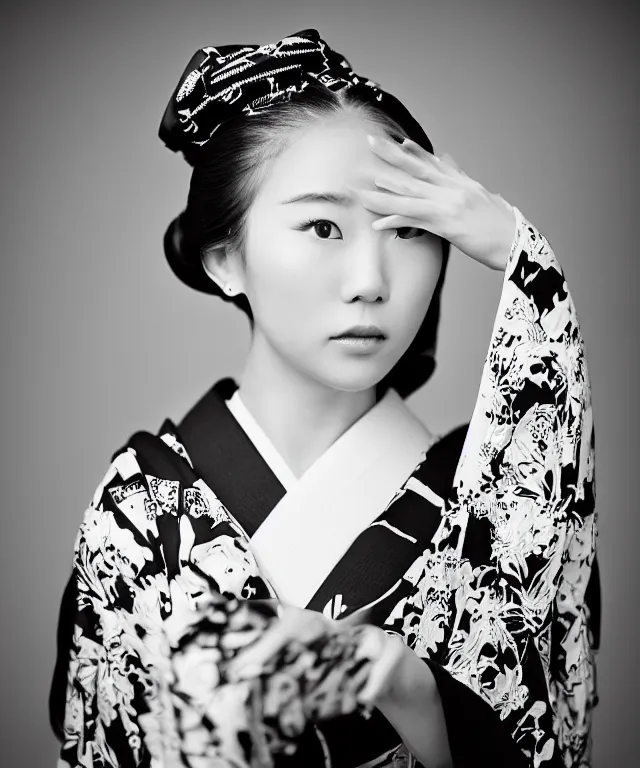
[(294, 624), (385, 204), (304, 626), (416, 189), (361, 616), (402, 184), (395, 221), (429, 167), (422, 166)]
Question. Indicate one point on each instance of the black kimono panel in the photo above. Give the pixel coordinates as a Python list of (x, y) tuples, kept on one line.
[(482, 562)]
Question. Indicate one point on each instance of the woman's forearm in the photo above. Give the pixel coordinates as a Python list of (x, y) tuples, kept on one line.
[(414, 709)]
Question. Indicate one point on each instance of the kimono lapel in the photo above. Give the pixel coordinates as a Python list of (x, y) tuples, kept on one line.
[(227, 460), (407, 527), (313, 525)]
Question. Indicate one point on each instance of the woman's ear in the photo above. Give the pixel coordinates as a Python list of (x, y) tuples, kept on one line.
[(223, 267)]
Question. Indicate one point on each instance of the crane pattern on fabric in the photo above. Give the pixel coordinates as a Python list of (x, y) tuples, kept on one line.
[(166, 578)]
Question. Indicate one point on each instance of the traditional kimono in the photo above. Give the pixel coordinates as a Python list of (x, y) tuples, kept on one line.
[(477, 548)]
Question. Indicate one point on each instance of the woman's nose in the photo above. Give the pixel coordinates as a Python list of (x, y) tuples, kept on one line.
[(365, 274)]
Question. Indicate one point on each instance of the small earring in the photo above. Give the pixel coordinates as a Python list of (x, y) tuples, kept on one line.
[(228, 289)]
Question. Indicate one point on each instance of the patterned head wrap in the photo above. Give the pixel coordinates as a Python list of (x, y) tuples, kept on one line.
[(225, 82)]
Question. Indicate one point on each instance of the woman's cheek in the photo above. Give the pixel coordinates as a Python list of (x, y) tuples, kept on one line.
[(284, 305), (416, 295)]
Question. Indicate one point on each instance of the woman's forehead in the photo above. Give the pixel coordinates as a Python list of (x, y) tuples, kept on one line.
[(323, 157)]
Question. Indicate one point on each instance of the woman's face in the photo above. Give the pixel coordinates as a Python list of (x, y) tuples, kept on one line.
[(315, 268)]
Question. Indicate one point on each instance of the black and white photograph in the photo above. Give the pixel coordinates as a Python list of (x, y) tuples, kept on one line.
[(319, 330)]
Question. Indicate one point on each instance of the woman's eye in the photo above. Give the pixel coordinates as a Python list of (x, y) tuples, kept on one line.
[(407, 233), (322, 228)]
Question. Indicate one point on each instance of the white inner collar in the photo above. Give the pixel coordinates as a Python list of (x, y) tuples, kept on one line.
[(262, 442), (303, 537), (389, 416)]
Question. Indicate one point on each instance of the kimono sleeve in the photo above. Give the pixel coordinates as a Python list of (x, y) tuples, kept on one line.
[(162, 578), (112, 651), (507, 625)]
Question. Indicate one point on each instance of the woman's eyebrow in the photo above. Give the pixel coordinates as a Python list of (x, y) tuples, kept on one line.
[(320, 197)]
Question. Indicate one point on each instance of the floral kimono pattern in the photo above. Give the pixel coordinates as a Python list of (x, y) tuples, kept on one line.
[(489, 589)]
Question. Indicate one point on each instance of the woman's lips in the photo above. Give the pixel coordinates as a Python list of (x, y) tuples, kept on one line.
[(360, 343), (361, 338), (361, 330)]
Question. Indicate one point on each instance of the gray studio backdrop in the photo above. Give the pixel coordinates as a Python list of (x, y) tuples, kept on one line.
[(537, 101)]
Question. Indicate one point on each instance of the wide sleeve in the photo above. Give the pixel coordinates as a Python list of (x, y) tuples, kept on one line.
[(502, 604), (109, 701), (163, 592)]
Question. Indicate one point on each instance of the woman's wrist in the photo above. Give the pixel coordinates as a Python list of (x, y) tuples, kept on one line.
[(413, 683), (505, 235), (412, 706)]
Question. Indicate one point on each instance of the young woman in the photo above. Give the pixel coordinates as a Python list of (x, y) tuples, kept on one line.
[(299, 573)]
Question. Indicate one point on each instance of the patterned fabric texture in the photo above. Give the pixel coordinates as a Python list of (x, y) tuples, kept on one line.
[(222, 82), (494, 596)]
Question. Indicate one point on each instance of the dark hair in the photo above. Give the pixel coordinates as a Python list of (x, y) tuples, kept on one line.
[(226, 176)]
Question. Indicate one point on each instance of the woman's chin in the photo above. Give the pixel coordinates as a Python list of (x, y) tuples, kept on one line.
[(353, 378)]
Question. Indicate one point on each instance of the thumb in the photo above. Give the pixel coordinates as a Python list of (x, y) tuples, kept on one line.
[(358, 617)]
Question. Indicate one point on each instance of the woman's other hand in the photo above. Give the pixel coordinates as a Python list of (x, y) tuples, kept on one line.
[(294, 625), (391, 678), (398, 682), (386, 652), (419, 189)]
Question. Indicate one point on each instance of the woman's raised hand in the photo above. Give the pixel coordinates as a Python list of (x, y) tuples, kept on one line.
[(419, 189)]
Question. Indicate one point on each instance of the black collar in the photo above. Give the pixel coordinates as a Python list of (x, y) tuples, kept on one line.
[(227, 460)]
